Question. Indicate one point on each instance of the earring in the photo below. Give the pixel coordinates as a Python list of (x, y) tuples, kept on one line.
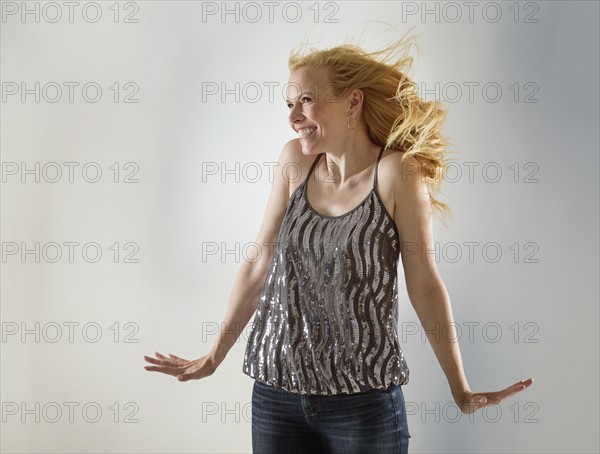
[(348, 122)]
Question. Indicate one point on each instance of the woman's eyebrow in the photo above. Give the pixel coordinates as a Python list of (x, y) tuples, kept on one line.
[(308, 92)]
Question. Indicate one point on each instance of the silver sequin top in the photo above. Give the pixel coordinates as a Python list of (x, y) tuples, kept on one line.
[(326, 322)]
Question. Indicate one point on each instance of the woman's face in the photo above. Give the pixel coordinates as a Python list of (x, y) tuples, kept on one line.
[(313, 106)]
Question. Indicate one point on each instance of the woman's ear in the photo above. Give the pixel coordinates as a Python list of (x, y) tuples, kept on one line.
[(356, 100)]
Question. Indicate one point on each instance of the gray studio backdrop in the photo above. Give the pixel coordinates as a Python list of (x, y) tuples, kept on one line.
[(138, 144)]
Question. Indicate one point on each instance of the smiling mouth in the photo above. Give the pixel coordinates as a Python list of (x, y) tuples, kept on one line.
[(305, 132)]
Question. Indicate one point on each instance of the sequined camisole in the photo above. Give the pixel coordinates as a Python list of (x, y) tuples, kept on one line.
[(326, 322)]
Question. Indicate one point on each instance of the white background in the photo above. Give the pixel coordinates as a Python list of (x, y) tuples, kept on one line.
[(534, 311)]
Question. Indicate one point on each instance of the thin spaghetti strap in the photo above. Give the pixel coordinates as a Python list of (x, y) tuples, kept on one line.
[(376, 166), (313, 166)]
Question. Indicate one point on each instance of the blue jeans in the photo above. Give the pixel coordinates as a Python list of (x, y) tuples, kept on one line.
[(284, 422)]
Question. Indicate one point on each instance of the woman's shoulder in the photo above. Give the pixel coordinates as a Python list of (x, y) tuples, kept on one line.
[(294, 163), (292, 153), (398, 179), (395, 167)]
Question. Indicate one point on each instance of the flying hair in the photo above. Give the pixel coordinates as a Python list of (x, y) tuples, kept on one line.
[(393, 111)]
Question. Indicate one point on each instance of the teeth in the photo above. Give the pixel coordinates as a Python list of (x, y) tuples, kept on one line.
[(306, 131)]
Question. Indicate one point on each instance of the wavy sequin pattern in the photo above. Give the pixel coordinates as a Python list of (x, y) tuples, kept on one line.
[(326, 322)]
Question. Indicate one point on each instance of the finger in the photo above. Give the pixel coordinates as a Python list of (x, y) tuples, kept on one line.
[(527, 382), (154, 360), (191, 375), (154, 368), (178, 358), (158, 355), (160, 362), (499, 396), (150, 359), (523, 384), (165, 370), (517, 387), (479, 400), (514, 388)]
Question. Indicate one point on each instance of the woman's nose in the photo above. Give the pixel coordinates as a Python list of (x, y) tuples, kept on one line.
[(295, 113)]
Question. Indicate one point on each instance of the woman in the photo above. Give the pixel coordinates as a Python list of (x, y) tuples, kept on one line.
[(323, 349)]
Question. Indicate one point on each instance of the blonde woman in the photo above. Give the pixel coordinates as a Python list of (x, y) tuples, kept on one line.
[(323, 349)]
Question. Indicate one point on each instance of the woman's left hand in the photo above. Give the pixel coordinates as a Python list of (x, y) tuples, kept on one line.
[(470, 402)]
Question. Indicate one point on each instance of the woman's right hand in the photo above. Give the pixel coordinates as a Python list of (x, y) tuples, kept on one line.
[(181, 368)]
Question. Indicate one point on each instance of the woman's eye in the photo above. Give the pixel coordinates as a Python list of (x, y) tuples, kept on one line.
[(303, 98)]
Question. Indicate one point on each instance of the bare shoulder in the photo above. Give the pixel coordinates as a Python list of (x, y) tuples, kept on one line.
[(397, 177), (292, 151), (295, 164), (392, 165)]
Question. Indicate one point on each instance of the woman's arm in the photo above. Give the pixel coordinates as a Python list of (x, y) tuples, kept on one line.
[(247, 285), (426, 291), (249, 281)]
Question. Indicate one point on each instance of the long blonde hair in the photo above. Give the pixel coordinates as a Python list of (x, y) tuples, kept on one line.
[(394, 113)]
